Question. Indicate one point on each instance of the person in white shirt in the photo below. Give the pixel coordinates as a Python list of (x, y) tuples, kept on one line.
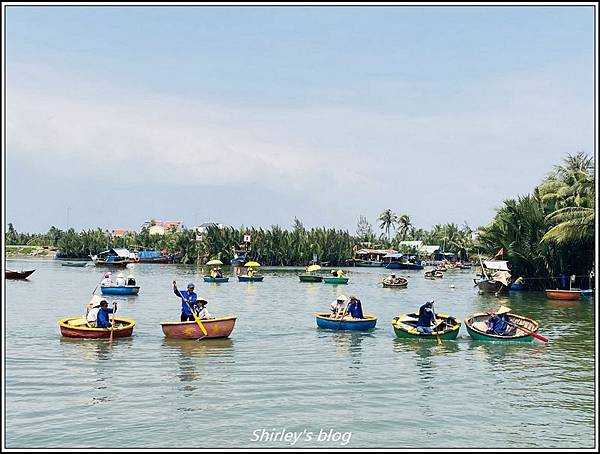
[(120, 279), (201, 309), (107, 280), (338, 307), (92, 310)]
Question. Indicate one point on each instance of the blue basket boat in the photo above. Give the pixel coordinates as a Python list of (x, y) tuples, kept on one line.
[(363, 324), (119, 289)]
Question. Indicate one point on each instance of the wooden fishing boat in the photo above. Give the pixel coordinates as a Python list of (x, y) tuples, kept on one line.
[(347, 323), (488, 285), (119, 289), (310, 278), (405, 326), (250, 278), (216, 279), (76, 264), (215, 328), (77, 327), (573, 294), (335, 280), (398, 282), (8, 274), (477, 328)]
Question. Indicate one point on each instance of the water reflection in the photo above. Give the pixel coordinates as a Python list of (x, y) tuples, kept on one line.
[(188, 352), (348, 344), (92, 349)]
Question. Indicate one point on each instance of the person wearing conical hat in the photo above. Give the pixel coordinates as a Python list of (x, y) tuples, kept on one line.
[(120, 279), (338, 307), (107, 280), (92, 310), (499, 322)]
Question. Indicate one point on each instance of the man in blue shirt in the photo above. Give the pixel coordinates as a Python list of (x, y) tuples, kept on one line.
[(426, 320), (499, 322), (355, 308), (102, 320), (188, 301)]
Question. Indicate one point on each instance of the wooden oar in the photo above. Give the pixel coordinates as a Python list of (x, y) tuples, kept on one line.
[(528, 331), (435, 326), (202, 328), (112, 328)]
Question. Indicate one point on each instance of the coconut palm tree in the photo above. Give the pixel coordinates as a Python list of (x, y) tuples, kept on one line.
[(387, 219), (403, 225)]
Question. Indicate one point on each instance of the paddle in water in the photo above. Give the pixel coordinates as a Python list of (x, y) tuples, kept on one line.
[(528, 331), (112, 328)]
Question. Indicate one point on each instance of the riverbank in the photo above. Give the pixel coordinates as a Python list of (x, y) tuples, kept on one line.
[(24, 251)]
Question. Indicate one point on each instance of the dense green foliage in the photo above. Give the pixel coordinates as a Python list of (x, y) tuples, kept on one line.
[(542, 234), (550, 231)]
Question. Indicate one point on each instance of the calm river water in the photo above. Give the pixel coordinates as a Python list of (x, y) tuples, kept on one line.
[(278, 374)]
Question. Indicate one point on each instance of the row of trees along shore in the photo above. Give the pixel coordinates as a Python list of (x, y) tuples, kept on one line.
[(274, 246), (543, 234)]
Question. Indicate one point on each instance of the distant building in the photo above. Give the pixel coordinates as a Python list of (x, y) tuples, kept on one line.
[(120, 232), (161, 227)]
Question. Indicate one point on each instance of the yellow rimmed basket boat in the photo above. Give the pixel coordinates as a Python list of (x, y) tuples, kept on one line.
[(405, 326), (77, 327)]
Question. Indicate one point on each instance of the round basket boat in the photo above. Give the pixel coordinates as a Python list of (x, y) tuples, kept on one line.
[(405, 326), (250, 278), (310, 278), (477, 328), (347, 323), (215, 328), (398, 282), (563, 294), (216, 279), (77, 327), (335, 280), (120, 289)]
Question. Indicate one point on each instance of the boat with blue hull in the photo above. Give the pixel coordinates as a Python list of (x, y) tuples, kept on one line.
[(216, 279), (346, 324), (250, 278), (120, 289)]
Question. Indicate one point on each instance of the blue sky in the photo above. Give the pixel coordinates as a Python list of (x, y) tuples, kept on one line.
[(257, 115)]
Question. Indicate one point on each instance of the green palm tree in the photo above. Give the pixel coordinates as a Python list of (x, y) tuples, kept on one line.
[(387, 219)]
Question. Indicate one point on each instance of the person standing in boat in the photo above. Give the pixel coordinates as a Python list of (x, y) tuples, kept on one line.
[(427, 319), (499, 322), (107, 280), (201, 310), (188, 300), (354, 308), (338, 307), (103, 319)]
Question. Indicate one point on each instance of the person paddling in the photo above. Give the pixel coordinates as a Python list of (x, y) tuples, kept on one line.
[(499, 322), (103, 320), (188, 300), (354, 308)]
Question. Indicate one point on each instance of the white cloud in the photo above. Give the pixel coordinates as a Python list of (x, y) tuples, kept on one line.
[(366, 157)]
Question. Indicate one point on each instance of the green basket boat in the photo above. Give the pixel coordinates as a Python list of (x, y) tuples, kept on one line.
[(476, 328), (310, 278), (405, 326), (336, 280)]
